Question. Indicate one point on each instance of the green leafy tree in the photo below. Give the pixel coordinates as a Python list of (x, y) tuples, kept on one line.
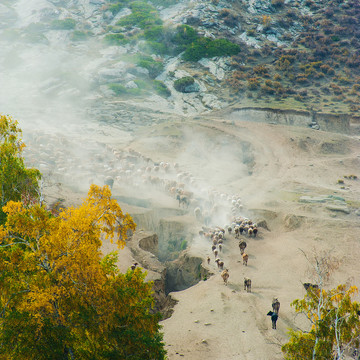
[(16, 181), (60, 298)]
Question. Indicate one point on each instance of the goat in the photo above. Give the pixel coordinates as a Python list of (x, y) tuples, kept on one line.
[(308, 286), (247, 284), (184, 200), (220, 264), (225, 275), (242, 246), (255, 230), (245, 258)]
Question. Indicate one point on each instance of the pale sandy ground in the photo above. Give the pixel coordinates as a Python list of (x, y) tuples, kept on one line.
[(214, 321)]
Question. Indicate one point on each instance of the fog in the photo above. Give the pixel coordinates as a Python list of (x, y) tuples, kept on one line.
[(76, 135)]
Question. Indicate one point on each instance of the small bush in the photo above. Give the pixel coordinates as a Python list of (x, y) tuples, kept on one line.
[(78, 35), (161, 88), (336, 89), (261, 70), (143, 15), (154, 47), (301, 79), (266, 20), (116, 39), (154, 67), (118, 89), (181, 84), (66, 24), (344, 80), (154, 33), (253, 83), (267, 90), (115, 8), (207, 48), (183, 37), (183, 245), (230, 18)]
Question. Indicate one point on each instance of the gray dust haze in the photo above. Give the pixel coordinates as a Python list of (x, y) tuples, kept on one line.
[(77, 134)]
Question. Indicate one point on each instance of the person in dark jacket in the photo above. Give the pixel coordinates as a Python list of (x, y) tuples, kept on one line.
[(274, 317)]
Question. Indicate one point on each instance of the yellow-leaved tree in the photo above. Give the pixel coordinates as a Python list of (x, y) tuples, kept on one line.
[(333, 318), (60, 298), (16, 181)]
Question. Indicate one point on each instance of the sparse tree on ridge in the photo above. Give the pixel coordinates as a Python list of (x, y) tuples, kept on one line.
[(333, 316)]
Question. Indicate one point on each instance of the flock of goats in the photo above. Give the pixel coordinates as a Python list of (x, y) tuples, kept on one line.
[(241, 228), (128, 168)]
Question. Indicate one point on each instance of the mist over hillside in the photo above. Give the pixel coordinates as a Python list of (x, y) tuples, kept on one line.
[(175, 56), (198, 114)]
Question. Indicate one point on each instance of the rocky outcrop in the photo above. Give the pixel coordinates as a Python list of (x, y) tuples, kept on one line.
[(184, 272), (144, 246), (317, 121)]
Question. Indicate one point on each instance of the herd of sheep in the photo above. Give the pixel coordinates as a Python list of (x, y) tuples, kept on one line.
[(105, 165), (241, 228)]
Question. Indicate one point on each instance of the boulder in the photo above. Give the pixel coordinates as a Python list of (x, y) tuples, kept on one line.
[(215, 67), (139, 71), (192, 88), (131, 85), (211, 101), (112, 74), (337, 208)]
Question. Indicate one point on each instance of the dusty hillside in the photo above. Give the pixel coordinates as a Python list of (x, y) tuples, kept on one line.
[(290, 165), (97, 94), (285, 175)]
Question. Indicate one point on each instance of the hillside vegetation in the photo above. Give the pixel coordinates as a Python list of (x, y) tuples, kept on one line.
[(301, 54)]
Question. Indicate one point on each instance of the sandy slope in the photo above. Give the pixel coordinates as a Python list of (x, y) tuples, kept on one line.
[(213, 321)]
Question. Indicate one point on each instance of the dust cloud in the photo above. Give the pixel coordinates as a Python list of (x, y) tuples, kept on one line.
[(52, 86)]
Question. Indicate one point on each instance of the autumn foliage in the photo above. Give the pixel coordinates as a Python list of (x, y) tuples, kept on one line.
[(60, 298), (334, 325), (16, 181)]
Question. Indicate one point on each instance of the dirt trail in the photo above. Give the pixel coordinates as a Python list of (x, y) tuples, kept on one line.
[(213, 321)]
